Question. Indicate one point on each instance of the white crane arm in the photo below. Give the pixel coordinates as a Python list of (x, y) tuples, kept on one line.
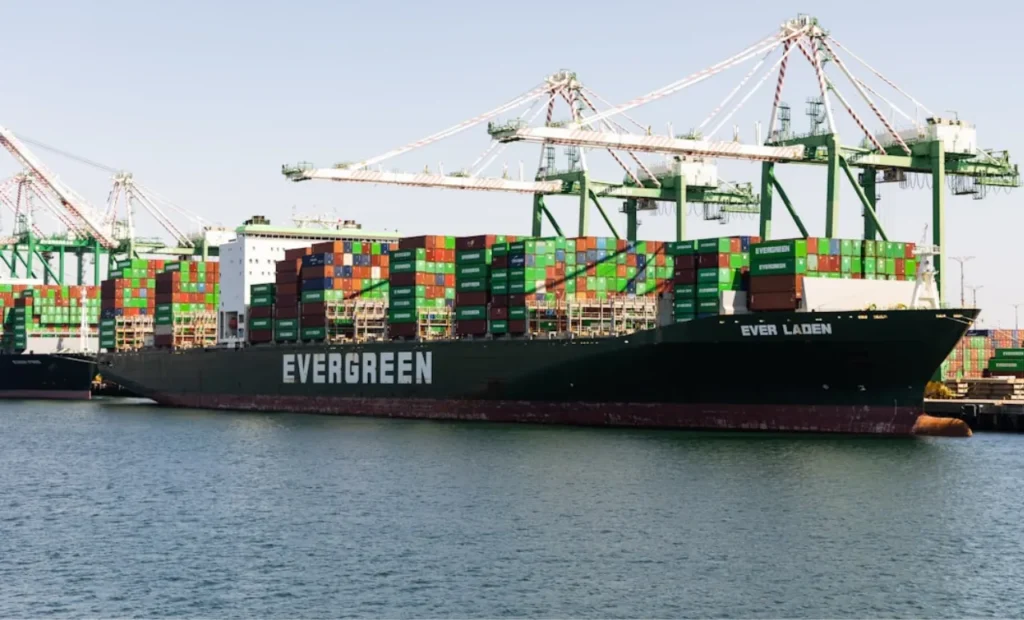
[(140, 196), (70, 201), (652, 144), (431, 180)]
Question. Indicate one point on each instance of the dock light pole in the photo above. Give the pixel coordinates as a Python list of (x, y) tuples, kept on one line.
[(1016, 326), (962, 260), (974, 292)]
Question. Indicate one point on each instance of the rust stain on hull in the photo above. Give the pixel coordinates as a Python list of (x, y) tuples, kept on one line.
[(873, 420)]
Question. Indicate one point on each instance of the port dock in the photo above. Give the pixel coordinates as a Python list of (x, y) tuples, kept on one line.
[(981, 415)]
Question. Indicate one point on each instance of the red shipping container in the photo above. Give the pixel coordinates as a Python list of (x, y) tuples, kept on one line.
[(516, 300), (403, 279), (291, 288), (471, 328), (286, 278), (259, 336), (313, 320), (297, 253), (685, 262), (471, 299), (517, 327), (685, 276), (288, 266), (261, 312), (286, 300), (414, 243), (472, 243), (402, 330), (286, 312), (777, 284), (497, 313), (901, 266), (773, 301), (497, 300), (449, 280), (499, 262)]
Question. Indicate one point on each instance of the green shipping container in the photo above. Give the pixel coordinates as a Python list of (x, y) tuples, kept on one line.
[(403, 267), (261, 289), (471, 313), (498, 327), (476, 257), (517, 313), (471, 285), (312, 297), (402, 256), (313, 333), (284, 324), (260, 323), (261, 300), (1010, 353), (782, 248), (685, 290), (685, 305), (707, 306), (1007, 364), (410, 303), (777, 266), (401, 316), (681, 248), (718, 245), (473, 270)]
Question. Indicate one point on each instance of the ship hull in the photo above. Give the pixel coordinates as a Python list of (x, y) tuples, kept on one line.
[(820, 372), (46, 377)]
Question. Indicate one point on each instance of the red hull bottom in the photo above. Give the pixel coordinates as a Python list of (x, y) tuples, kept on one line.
[(46, 394), (873, 420)]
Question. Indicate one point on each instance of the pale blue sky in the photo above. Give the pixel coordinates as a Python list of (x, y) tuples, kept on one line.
[(204, 101)]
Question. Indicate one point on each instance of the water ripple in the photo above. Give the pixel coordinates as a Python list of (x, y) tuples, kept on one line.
[(116, 510)]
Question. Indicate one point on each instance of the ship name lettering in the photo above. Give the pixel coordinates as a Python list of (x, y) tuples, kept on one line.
[(386, 368), (799, 329)]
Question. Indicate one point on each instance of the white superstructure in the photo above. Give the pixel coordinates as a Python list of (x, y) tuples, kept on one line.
[(250, 259)]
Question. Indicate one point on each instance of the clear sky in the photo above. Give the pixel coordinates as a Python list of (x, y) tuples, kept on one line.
[(204, 101)]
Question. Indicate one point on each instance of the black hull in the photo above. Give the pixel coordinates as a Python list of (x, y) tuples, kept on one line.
[(47, 377), (825, 372)]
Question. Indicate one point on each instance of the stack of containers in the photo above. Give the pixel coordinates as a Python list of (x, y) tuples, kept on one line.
[(129, 292), (777, 270), (888, 260), (1006, 363), (261, 314), (723, 265), (511, 293), (186, 293), (285, 310), (475, 312), (421, 280), (684, 279), (21, 322), (338, 271)]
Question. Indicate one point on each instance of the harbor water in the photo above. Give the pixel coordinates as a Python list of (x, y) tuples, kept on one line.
[(114, 509)]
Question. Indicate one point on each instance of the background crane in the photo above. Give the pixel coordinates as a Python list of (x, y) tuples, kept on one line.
[(84, 229), (944, 150), (679, 180)]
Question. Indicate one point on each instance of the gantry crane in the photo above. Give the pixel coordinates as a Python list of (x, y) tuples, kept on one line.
[(86, 230), (680, 181), (940, 148)]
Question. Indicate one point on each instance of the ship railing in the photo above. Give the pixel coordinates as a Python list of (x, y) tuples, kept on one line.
[(594, 318)]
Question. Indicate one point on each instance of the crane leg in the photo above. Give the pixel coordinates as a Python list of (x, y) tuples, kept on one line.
[(832, 194), (938, 153), (537, 227), (870, 230), (680, 196), (631, 219), (584, 223), (767, 183), (604, 215), (789, 206)]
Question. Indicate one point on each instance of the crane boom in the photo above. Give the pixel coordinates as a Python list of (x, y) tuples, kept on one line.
[(77, 205), (423, 180), (649, 144)]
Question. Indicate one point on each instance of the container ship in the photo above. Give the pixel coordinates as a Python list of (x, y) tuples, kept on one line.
[(47, 332), (708, 334)]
